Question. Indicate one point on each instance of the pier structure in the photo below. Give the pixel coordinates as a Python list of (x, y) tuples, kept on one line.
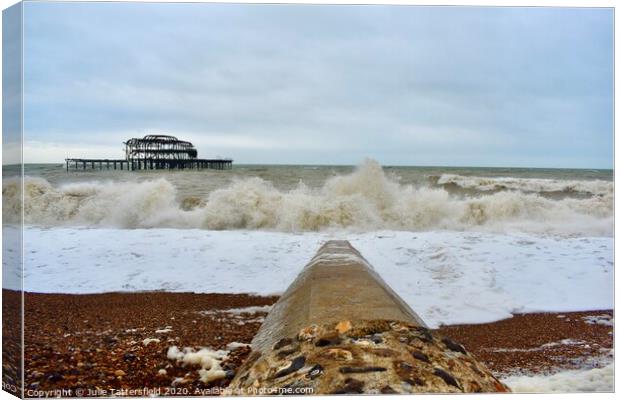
[(152, 152), (339, 328)]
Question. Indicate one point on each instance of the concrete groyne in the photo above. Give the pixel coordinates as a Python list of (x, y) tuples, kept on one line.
[(339, 328)]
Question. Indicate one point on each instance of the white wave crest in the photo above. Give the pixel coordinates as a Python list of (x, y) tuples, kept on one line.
[(118, 204), (593, 187), (366, 199)]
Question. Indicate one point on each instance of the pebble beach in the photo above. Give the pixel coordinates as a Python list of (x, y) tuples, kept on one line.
[(119, 343)]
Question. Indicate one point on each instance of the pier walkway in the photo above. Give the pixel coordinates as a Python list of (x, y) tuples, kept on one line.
[(147, 164)]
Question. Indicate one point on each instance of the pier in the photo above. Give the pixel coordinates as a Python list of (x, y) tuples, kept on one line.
[(143, 164), (339, 328), (152, 152)]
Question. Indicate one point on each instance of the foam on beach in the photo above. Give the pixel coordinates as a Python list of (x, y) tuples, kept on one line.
[(585, 380), (446, 277), (208, 360)]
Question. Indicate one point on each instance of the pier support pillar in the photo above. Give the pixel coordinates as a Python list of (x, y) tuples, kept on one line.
[(339, 328)]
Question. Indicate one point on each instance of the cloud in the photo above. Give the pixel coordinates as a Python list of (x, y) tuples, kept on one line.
[(327, 84), (55, 153), (11, 84)]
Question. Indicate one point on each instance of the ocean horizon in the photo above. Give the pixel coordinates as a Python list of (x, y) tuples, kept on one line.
[(498, 167)]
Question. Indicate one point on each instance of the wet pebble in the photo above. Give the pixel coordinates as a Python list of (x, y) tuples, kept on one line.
[(449, 379), (425, 335), (453, 346), (377, 339), (315, 372), (54, 377), (418, 355), (294, 365), (328, 340)]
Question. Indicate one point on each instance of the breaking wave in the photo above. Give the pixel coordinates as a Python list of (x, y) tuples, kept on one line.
[(366, 199), (545, 187)]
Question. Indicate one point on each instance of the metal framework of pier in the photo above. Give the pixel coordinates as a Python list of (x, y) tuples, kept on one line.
[(153, 152)]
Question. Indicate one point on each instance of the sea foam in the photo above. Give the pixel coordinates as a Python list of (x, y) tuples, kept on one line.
[(364, 200), (533, 185), (446, 277), (586, 380)]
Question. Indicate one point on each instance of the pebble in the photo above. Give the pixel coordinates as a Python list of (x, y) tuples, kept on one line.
[(339, 354), (343, 326), (449, 379), (315, 372), (308, 333), (377, 339), (54, 377), (453, 346), (293, 366), (328, 340), (418, 355), (36, 374)]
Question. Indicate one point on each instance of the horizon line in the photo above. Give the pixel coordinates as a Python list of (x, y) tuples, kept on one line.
[(382, 165)]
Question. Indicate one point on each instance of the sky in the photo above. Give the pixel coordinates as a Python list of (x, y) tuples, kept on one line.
[(312, 84)]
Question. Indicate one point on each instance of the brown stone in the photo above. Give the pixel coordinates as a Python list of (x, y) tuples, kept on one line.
[(343, 326), (337, 354)]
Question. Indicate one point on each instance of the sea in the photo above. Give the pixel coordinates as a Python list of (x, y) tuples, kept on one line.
[(299, 198), (458, 244)]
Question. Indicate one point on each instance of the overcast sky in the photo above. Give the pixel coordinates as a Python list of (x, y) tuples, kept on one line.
[(322, 84)]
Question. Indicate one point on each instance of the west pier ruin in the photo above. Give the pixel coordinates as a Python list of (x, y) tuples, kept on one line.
[(153, 152)]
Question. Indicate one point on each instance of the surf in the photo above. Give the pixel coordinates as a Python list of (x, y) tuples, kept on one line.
[(366, 199)]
